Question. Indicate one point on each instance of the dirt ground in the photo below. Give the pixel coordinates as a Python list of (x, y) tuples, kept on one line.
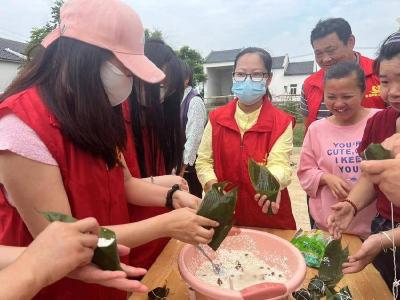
[(298, 196)]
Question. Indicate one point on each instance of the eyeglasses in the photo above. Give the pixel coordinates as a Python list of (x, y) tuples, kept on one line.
[(256, 77)]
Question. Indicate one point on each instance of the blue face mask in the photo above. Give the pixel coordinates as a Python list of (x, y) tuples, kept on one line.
[(248, 91)]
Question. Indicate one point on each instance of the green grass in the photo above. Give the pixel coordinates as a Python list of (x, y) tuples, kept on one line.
[(298, 134)]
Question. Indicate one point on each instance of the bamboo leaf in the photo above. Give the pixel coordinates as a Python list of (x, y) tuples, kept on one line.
[(376, 152), (106, 257), (54, 216), (330, 270), (343, 294), (263, 182), (302, 294), (220, 207)]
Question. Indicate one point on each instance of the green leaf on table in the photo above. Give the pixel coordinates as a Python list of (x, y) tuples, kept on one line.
[(106, 253), (376, 152), (220, 207), (343, 294), (302, 294), (330, 270), (316, 287), (263, 182)]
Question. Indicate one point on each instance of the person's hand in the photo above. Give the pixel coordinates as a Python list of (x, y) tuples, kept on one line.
[(115, 279), (209, 185), (61, 248), (392, 144), (185, 225), (182, 199), (365, 255), (339, 187), (385, 174), (170, 180), (264, 203), (340, 218)]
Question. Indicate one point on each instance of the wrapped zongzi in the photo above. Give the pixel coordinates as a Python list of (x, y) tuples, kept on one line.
[(106, 253), (263, 182), (220, 207)]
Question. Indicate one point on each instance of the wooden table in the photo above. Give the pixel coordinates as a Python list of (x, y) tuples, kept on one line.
[(367, 284)]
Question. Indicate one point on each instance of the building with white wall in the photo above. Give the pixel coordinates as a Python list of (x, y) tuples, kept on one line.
[(11, 57), (287, 77)]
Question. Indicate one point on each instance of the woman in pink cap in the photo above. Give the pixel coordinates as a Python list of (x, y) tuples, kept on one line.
[(62, 134)]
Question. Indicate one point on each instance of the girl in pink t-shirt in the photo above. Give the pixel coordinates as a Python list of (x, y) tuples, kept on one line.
[(329, 162)]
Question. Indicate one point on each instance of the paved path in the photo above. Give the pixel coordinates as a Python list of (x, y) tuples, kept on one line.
[(298, 196)]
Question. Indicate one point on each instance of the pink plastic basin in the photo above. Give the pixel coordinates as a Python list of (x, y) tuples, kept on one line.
[(267, 245)]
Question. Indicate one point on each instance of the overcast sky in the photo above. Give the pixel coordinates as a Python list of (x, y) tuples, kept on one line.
[(280, 26)]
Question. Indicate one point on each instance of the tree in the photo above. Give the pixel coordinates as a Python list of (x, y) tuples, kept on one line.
[(155, 34), (195, 60), (39, 33)]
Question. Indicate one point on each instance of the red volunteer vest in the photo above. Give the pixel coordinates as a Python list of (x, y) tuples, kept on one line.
[(144, 255), (231, 154), (92, 189), (379, 127), (314, 89)]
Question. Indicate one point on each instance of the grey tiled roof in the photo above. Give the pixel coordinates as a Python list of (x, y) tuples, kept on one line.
[(222, 56), (300, 68), (13, 45), (229, 56), (277, 62)]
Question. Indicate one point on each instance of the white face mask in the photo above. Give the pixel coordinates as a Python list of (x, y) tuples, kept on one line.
[(117, 85)]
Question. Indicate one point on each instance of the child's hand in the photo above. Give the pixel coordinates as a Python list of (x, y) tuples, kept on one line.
[(340, 218), (339, 187), (264, 203), (365, 255)]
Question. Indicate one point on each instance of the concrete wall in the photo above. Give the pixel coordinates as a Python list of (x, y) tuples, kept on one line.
[(279, 81), (8, 71), (219, 80)]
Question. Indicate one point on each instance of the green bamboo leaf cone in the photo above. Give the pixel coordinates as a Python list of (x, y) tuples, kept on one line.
[(263, 182), (106, 253), (220, 207)]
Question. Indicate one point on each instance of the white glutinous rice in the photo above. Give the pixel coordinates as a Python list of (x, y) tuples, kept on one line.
[(243, 268), (102, 242)]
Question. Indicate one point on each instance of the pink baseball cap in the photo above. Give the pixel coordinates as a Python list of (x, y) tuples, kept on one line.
[(108, 24)]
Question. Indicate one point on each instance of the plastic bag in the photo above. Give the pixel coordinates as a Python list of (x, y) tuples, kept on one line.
[(312, 245)]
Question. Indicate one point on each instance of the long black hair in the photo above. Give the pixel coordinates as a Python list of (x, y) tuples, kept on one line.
[(67, 75), (264, 55), (160, 121)]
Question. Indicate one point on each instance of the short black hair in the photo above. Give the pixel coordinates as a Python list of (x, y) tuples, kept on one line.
[(345, 69), (389, 49), (332, 25), (187, 72)]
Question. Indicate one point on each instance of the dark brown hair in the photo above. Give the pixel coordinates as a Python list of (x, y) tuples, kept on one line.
[(67, 75)]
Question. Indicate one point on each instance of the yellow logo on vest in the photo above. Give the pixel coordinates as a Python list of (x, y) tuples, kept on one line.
[(374, 92)]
